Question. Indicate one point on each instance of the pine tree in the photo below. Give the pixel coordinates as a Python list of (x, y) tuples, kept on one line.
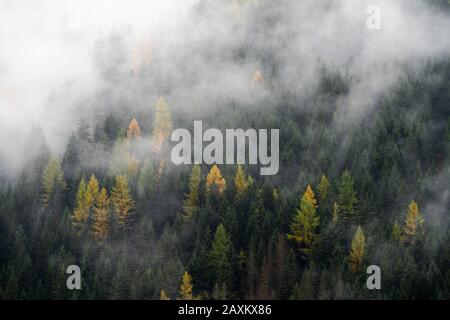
[(335, 213), (162, 123), (241, 182), (347, 199), (122, 201), (100, 218), (191, 201), (215, 181), (81, 211), (305, 223), (396, 232), (147, 179), (324, 188), (356, 254), (413, 228), (52, 181), (221, 256), (186, 287), (134, 131)]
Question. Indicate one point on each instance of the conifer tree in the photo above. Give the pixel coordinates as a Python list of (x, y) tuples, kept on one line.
[(191, 201), (186, 287), (163, 295), (324, 188), (335, 213), (215, 181), (347, 199), (162, 123), (100, 217), (92, 191), (241, 182), (81, 211), (396, 232), (356, 254), (257, 79), (221, 256), (134, 131), (311, 196), (122, 201), (52, 181), (413, 228), (306, 221)]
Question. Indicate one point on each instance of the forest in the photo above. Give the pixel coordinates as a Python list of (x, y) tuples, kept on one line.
[(363, 179)]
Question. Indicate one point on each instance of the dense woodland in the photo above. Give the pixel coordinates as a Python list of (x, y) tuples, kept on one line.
[(370, 191)]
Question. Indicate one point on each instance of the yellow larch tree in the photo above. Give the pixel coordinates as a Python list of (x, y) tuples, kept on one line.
[(186, 287), (162, 123), (310, 194), (215, 181), (100, 216), (257, 79), (241, 182), (163, 295), (122, 201), (413, 228), (134, 131), (356, 254), (305, 223)]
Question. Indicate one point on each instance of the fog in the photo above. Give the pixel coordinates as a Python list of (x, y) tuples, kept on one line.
[(50, 74)]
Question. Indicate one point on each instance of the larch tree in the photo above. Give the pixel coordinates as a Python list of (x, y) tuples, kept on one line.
[(134, 131), (335, 213), (305, 223), (162, 123), (413, 228), (191, 199), (310, 194), (257, 79), (163, 295), (215, 181), (241, 182), (53, 182), (396, 233), (356, 254), (186, 287), (122, 201), (347, 198), (100, 216)]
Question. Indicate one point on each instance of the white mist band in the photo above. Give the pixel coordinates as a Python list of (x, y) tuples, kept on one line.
[(235, 139)]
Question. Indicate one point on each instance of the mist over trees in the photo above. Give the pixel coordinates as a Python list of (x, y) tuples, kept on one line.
[(364, 174)]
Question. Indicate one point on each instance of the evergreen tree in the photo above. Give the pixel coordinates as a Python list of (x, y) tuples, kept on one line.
[(323, 189), (347, 199), (81, 211), (52, 181), (191, 199), (221, 256)]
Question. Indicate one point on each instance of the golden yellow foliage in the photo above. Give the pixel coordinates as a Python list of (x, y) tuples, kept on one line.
[(241, 182), (134, 131), (413, 227), (186, 287), (257, 79), (100, 217), (356, 254), (122, 200), (215, 180), (163, 295)]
